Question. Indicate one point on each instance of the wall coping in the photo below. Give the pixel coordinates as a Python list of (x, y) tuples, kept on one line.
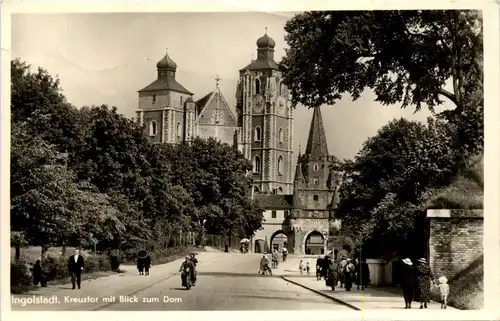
[(455, 213), (376, 261)]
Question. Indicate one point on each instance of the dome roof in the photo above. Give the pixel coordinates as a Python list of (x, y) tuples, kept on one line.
[(166, 63), (265, 42)]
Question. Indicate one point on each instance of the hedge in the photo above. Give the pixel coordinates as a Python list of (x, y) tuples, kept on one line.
[(53, 268)]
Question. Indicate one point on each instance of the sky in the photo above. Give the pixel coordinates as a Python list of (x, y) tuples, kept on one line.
[(105, 58)]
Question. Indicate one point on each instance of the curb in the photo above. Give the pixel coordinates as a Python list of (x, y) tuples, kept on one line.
[(322, 294), (133, 292)]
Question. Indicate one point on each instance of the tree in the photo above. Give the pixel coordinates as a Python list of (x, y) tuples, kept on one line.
[(383, 195), (215, 175), (405, 57)]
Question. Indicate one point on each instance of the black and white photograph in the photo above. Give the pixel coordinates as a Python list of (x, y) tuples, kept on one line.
[(248, 161)]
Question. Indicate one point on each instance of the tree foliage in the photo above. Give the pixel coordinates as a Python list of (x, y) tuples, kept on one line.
[(385, 188), (80, 176), (404, 57)]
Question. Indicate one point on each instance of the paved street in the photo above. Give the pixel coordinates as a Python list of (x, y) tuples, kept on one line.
[(227, 281)]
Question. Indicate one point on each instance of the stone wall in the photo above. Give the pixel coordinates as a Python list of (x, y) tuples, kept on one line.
[(455, 242)]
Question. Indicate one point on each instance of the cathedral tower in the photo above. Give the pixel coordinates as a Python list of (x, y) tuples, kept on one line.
[(166, 107), (266, 119)]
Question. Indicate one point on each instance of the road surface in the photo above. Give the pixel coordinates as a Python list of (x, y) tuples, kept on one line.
[(230, 284), (226, 281)]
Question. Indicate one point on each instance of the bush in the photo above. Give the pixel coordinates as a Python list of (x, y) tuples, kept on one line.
[(20, 277), (54, 268)]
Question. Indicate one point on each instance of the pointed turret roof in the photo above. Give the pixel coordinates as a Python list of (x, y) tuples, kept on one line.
[(335, 200), (316, 143), (298, 172)]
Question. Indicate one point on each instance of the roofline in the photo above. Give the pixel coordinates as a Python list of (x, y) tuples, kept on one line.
[(178, 91)]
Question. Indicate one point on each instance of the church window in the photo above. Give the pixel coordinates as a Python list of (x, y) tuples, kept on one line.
[(286, 214), (257, 134), (178, 130), (152, 128), (280, 165), (273, 214), (315, 198), (256, 189), (154, 98), (316, 181), (279, 88), (316, 167), (257, 86), (256, 165), (280, 190), (280, 135), (181, 100)]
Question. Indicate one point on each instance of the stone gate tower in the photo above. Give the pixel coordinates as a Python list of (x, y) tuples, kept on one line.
[(266, 119)]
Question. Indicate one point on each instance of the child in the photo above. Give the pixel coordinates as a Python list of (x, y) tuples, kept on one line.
[(308, 268), (301, 267), (444, 289)]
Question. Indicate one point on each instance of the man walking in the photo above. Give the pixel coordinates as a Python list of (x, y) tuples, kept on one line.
[(75, 268)]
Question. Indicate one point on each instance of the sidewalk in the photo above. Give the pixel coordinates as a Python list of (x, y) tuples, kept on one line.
[(291, 266), (370, 298), (126, 283)]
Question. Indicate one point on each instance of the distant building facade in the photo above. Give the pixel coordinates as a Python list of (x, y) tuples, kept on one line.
[(297, 202)]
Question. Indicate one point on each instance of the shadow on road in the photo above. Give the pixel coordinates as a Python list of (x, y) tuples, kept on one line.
[(232, 274)]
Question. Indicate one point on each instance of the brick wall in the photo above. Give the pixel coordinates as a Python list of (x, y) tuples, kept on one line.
[(454, 244)]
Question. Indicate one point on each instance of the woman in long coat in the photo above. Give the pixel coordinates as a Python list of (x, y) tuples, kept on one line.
[(349, 274), (424, 277), (332, 274), (408, 281)]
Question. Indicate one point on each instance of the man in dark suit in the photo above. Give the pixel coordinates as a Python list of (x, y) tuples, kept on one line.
[(75, 268)]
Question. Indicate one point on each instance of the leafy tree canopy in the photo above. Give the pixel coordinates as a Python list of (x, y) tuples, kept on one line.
[(405, 57)]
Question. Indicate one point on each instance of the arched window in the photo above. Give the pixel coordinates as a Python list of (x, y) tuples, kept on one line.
[(181, 101), (178, 129), (280, 165), (152, 128), (316, 167), (256, 189), (280, 135), (316, 181), (256, 165), (257, 86), (279, 88), (154, 98), (315, 198), (280, 190), (257, 134), (282, 90)]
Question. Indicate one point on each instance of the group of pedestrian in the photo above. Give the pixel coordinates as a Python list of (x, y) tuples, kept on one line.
[(75, 269), (143, 262), (345, 273), (416, 281)]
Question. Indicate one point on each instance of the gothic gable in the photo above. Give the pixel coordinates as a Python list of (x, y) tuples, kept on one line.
[(214, 110)]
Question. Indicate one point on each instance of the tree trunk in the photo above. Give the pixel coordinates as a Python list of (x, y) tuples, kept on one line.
[(63, 250), (43, 255), (18, 252)]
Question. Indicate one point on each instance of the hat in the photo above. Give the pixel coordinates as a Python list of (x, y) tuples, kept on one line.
[(187, 257), (407, 261), (422, 260), (443, 280)]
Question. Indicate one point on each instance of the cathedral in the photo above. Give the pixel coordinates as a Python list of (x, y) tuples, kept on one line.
[(297, 203)]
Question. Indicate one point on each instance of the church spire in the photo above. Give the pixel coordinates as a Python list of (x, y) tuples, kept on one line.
[(316, 142)]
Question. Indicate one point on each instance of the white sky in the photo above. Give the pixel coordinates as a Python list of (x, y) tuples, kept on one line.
[(107, 58)]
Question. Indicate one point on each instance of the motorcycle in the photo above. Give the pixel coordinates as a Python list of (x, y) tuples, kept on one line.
[(187, 275)]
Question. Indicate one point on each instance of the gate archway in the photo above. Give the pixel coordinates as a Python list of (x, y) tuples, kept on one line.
[(279, 239), (314, 243)]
